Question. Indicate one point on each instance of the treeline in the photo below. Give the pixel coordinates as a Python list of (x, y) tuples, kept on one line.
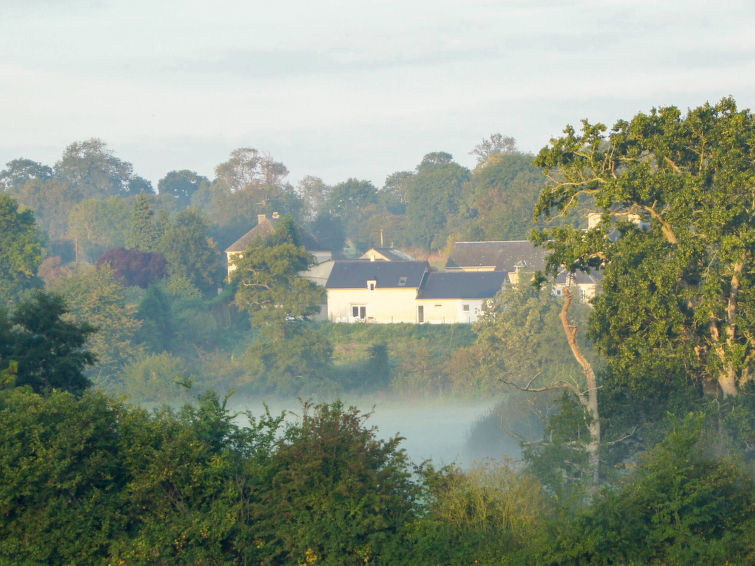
[(144, 267), (85, 202)]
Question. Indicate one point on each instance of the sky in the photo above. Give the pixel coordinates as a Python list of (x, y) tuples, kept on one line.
[(357, 88)]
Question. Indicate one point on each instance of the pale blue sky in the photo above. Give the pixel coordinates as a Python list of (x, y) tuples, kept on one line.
[(350, 88)]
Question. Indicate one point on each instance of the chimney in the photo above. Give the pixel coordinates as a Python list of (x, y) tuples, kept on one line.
[(260, 218)]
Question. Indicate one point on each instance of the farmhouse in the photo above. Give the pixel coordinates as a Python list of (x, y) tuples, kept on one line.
[(264, 228), (375, 291)]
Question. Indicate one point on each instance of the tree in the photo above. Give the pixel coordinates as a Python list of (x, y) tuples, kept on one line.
[(91, 170), (20, 250), (314, 192), (505, 191), (133, 267), (678, 507), (97, 225), (340, 494), (395, 191), (48, 351), (144, 234), (181, 185), (348, 200), (268, 283), (19, 171), (434, 194), (496, 144), (677, 197), (247, 167), (528, 338), (190, 253), (95, 296)]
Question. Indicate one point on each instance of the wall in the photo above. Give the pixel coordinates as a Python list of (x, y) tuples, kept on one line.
[(450, 311), (382, 305)]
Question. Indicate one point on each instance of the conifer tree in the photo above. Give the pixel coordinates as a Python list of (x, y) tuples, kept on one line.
[(144, 235)]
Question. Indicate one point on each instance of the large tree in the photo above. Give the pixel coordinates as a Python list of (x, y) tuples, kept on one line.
[(675, 241), (18, 172), (181, 185), (434, 194), (92, 170)]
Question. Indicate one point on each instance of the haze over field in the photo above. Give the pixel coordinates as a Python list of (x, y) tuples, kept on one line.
[(337, 89)]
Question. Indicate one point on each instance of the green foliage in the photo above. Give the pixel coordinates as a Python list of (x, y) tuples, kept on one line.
[(190, 253), (349, 201), (340, 495), (90, 480), (289, 359), (506, 188), (99, 224), (43, 350), (268, 284), (144, 234), (521, 339), (92, 171), (61, 485), (20, 250), (434, 193), (18, 172), (485, 515), (681, 191), (95, 297), (155, 378), (679, 507), (181, 185)]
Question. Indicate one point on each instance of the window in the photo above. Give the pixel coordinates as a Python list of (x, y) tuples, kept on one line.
[(359, 312), (402, 282), (371, 285), (465, 308), (420, 314)]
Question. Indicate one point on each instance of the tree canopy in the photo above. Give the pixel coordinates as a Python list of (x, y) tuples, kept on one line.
[(675, 241), (267, 277), (46, 351)]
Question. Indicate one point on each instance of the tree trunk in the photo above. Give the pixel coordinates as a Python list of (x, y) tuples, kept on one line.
[(588, 399), (727, 376)]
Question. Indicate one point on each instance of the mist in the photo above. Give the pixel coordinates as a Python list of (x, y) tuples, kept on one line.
[(445, 431)]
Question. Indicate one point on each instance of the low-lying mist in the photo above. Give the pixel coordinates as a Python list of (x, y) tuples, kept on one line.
[(442, 430)]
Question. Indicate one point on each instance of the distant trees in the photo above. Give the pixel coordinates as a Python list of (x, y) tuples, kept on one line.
[(496, 144), (505, 188), (91, 170), (181, 185), (434, 194), (20, 250)]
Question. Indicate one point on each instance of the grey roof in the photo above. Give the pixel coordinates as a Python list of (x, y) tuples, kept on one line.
[(392, 254), (463, 285), (264, 229), (578, 278), (502, 256), (354, 274)]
